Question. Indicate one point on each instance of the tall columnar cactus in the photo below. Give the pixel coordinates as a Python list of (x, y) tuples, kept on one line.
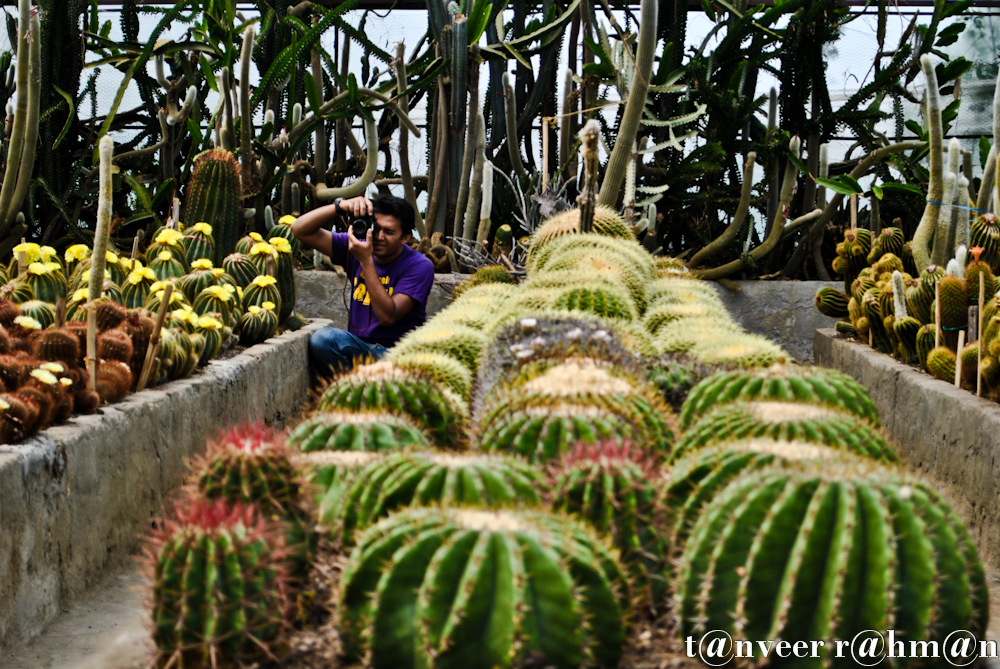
[(217, 585), (570, 390), (249, 466), (214, 196), (361, 431), (425, 587), (788, 421), (782, 383), (611, 487), (782, 554), (429, 479), (382, 386), (935, 159)]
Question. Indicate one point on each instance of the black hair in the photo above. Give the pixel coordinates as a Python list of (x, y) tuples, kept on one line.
[(390, 205)]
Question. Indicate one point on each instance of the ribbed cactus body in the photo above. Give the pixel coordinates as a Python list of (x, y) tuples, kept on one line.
[(786, 421), (384, 387), (426, 587), (599, 301), (214, 196), (16, 291), (241, 268), (984, 232), (193, 283), (889, 240), (244, 244), (217, 586), (483, 276), (165, 266), (831, 302), (400, 480), (606, 487), (459, 342), (247, 466), (607, 222), (954, 307), (43, 312), (872, 309), (924, 342), (781, 383), (363, 431), (262, 289), (136, 287), (198, 243), (829, 551), (888, 264), (906, 330), (439, 367), (566, 388), (972, 272), (214, 335), (215, 300), (854, 249), (46, 281), (283, 228), (543, 434), (258, 324), (284, 272)]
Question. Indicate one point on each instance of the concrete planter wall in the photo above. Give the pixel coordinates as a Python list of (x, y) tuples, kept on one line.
[(942, 431), (75, 498), (784, 311)]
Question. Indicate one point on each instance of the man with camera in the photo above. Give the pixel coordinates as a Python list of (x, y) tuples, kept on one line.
[(389, 281)]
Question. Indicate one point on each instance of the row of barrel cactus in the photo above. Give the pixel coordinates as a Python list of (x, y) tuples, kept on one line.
[(513, 471), (225, 290)]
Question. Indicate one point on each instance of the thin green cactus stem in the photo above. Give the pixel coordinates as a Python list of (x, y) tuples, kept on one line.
[(632, 116), (24, 131), (473, 205), (371, 165), (403, 101), (510, 109), (246, 122)]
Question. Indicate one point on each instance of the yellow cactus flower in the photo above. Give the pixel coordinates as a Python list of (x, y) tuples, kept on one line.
[(45, 376), (32, 252), (141, 274), (231, 289), (38, 268), (256, 237), (209, 323), (77, 252), (201, 263), (218, 271), (52, 266), (28, 323), (219, 293), (254, 310), (4, 405), (47, 252), (169, 237), (203, 228), (54, 367), (80, 295), (239, 293), (281, 244), (164, 256), (287, 219), (267, 305), (66, 381), (263, 247), (263, 281), (112, 258)]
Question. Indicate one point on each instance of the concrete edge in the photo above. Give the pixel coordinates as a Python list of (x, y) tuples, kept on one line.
[(943, 432), (75, 499)]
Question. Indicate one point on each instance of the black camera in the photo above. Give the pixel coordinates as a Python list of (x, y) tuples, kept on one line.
[(362, 224)]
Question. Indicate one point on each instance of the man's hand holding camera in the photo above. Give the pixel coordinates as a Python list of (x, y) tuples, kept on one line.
[(358, 214)]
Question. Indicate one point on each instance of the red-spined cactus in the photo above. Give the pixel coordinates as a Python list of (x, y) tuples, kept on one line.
[(218, 587), (251, 465)]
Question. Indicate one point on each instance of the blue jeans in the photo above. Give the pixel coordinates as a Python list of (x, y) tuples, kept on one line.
[(333, 350)]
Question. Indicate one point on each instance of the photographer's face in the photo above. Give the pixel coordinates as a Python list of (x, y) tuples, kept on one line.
[(388, 240)]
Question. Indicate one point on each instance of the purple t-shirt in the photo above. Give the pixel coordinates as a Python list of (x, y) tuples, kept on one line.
[(411, 274)]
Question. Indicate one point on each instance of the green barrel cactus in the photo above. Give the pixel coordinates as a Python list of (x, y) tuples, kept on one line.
[(201, 276), (599, 301), (258, 324), (787, 421), (831, 302), (284, 272), (215, 334), (217, 583), (458, 342), (469, 589), (46, 281), (241, 268), (439, 367), (483, 276), (827, 552), (356, 431), (215, 300), (283, 229), (607, 222), (249, 466), (382, 386), (166, 239), (543, 434), (577, 385), (43, 312), (214, 195), (166, 266), (781, 383), (198, 243), (611, 488), (262, 289), (136, 287), (400, 480), (889, 240)]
